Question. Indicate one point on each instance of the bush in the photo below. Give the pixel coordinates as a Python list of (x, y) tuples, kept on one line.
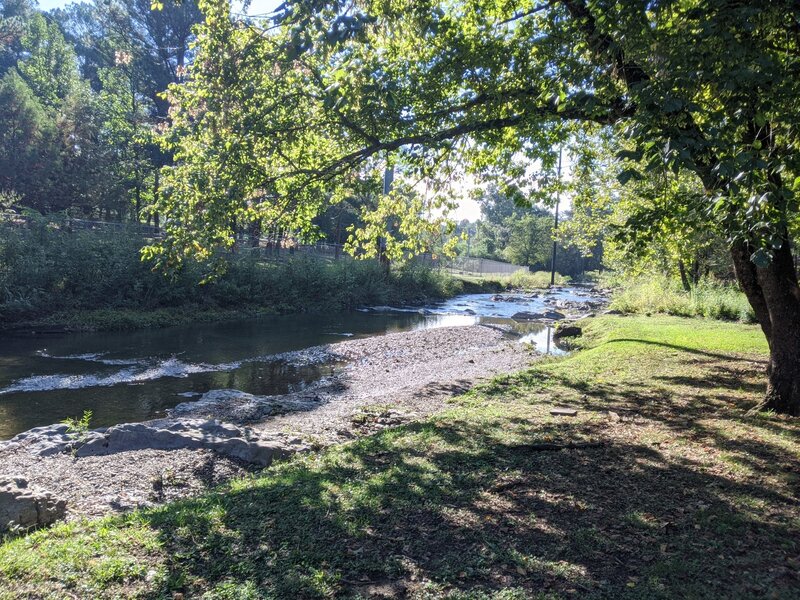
[(46, 270), (659, 294), (527, 280)]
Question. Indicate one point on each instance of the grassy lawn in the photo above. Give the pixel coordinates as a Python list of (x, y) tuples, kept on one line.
[(677, 493)]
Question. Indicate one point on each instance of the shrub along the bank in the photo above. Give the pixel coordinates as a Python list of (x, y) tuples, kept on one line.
[(659, 294), (532, 280), (46, 271)]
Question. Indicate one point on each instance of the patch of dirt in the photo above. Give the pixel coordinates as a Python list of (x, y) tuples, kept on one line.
[(97, 485), (411, 374)]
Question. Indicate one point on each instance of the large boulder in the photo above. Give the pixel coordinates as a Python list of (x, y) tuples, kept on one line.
[(52, 439), (22, 507), (167, 434)]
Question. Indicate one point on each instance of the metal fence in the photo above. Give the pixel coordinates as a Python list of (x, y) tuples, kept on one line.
[(272, 250), (482, 266)]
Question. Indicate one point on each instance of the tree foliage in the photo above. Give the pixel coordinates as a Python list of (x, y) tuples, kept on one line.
[(82, 99), (294, 110)]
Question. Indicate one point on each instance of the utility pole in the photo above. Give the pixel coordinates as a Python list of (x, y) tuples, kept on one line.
[(555, 228), (388, 178)]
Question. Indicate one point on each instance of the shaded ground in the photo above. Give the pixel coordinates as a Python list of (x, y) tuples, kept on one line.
[(678, 494)]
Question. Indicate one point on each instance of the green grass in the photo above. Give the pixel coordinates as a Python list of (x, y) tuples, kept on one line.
[(93, 280), (527, 280), (685, 496), (519, 280), (658, 294)]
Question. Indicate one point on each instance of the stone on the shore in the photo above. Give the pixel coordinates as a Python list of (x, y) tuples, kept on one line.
[(22, 507), (550, 315), (565, 330), (223, 438), (50, 439), (168, 434)]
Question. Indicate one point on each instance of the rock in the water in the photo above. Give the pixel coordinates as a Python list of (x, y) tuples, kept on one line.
[(22, 507), (550, 315), (241, 407), (517, 299), (230, 405), (564, 331), (579, 306)]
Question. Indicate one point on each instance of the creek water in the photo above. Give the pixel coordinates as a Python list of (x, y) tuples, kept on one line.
[(125, 377)]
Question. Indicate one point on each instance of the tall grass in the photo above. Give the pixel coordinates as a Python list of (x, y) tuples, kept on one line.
[(660, 294), (532, 280), (45, 271)]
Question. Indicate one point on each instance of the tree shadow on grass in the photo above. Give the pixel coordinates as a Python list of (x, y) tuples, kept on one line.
[(690, 350), (708, 403), (448, 506), (718, 376)]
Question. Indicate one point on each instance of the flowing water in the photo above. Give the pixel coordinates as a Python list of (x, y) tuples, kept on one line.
[(124, 377)]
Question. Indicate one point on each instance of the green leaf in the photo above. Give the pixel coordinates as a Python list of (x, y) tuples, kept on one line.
[(628, 174), (630, 155)]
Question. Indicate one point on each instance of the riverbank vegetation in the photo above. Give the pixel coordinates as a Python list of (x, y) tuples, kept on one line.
[(657, 293), (521, 280), (663, 485), (95, 279), (132, 112)]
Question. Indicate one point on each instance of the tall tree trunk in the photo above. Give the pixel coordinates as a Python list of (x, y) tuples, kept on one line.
[(338, 233), (255, 234), (138, 210), (782, 294), (156, 191), (774, 294), (684, 278)]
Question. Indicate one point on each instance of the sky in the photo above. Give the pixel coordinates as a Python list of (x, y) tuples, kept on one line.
[(467, 208), (256, 6)]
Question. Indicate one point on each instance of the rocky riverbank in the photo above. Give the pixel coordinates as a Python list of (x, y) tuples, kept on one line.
[(377, 382)]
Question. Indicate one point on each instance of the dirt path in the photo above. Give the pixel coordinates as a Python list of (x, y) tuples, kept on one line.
[(383, 382)]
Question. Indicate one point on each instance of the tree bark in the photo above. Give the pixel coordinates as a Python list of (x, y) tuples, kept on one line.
[(774, 294), (156, 190), (684, 279), (779, 284), (747, 276)]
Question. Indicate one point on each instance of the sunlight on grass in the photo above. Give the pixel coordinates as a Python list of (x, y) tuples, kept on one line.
[(679, 490)]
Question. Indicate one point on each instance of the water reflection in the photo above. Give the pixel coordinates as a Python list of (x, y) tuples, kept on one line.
[(136, 376), (541, 336)]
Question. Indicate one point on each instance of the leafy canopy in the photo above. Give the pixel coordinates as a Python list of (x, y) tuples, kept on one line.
[(281, 117)]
